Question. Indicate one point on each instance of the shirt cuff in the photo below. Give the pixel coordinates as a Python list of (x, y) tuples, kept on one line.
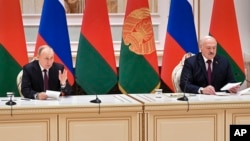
[(200, 91)]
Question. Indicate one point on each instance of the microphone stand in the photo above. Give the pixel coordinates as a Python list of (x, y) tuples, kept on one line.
[(10, 102), (96, 100), (184, 97)]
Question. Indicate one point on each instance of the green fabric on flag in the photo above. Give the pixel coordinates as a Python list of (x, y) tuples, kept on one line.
[(136, 75), (224, 29), (8, 73), (238, 74), (93, 74)]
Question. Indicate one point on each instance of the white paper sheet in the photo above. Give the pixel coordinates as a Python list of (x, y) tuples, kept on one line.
[(244, 92), (229, 86), (222, 93), (53, 94)]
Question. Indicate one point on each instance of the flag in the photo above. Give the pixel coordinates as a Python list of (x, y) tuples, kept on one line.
[(95, 70), (138, 66), (13, 52), (180, 38), (224, 29), (53, 31)]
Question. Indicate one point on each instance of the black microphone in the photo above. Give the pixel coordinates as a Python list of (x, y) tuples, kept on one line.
[(10, 102), (184, 97), (96, 100)]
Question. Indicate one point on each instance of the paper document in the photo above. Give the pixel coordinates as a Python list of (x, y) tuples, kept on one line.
[(222, 93), (243, 92), (229, 86), (53, 94)]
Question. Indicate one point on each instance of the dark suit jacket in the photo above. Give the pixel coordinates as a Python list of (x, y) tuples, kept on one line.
[(195, 71), (32, 80)]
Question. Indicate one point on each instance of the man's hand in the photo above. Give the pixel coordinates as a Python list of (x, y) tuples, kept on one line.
[(234, 89), (42, 96), (62, 76), (209, 90)]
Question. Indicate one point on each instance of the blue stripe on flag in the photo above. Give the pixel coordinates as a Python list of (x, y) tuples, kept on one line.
[(54, 30), (181, 25)]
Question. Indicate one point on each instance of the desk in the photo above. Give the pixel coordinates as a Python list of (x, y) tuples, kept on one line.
[(72, 118), (134, 117), (208, 118)]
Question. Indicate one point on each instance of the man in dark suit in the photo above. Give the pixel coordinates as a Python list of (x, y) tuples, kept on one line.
[(195, 74), (44, 74)]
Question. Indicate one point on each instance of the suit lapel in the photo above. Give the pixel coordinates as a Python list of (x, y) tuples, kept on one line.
[(215, 69), (203, 66), (39, 74)]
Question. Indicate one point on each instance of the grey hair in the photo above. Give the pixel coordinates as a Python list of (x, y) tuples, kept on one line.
[(43, 47)]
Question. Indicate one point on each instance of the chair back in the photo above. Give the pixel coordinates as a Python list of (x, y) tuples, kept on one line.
[(19, 82), (176, 73)]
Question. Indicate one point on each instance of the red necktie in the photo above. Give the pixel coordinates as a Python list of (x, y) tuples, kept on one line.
[(209, 71), (45, 80)]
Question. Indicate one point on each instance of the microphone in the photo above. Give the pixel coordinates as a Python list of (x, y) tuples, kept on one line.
[(184, 97), (10, 102), (96, 100)]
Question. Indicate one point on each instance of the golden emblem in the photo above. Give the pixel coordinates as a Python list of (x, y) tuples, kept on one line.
[(138, 32)]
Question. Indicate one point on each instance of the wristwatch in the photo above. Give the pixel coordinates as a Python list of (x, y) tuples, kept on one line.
[(63, 86), (36, 96), (201, 90)]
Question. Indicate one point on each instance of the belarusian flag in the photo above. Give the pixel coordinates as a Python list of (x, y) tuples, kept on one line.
[(138, 67), (225, 30), (13, 53), (180, 38), (95, 69), (53, 31)]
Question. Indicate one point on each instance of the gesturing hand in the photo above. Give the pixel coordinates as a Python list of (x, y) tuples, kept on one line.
[(62, 76)]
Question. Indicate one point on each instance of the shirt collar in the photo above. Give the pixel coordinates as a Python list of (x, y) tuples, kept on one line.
[(205, 59)]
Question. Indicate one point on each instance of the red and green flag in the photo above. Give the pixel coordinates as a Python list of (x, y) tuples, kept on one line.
[(13, 52), (95, 69), (225, 30), (138, 66)]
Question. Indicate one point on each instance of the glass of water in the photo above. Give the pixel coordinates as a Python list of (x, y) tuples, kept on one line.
[(10, 95), (158, 93)]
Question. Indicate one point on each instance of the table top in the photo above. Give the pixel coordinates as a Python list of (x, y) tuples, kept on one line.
[(76, 100), (195, 101)]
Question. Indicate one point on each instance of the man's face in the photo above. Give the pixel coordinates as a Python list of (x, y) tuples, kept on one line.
[(46, 58), (209, 48)]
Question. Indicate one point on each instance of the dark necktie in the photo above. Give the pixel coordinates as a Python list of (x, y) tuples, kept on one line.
[(209, 71), (45, 80)]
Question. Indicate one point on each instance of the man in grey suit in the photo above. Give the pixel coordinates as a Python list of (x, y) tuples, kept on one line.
[(196, 77), (34, 85)]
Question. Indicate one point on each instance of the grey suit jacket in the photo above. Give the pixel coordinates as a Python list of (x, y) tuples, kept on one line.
[(194, 74)]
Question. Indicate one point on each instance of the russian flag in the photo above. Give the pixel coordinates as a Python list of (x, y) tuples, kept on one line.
[(180, 38), (53, 31)]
